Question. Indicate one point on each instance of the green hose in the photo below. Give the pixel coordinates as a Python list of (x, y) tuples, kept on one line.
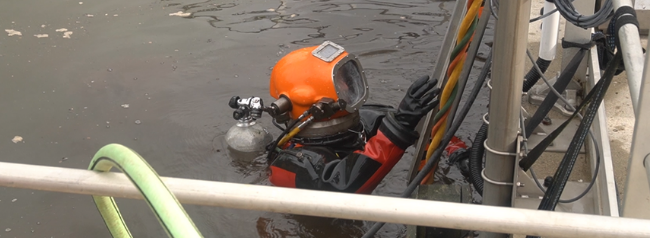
[(164, 204)]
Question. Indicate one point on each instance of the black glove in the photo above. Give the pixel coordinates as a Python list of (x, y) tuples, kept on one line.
[(417, 102)]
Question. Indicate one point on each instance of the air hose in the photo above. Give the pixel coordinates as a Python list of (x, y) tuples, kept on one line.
[(164, 204), (533, 76)]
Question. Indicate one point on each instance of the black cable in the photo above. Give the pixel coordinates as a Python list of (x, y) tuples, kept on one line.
[(276, 124)]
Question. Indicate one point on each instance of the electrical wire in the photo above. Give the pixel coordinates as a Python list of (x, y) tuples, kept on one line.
[(593, 138)]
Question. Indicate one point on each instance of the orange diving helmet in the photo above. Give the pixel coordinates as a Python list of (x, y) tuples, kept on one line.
[(308, 75)]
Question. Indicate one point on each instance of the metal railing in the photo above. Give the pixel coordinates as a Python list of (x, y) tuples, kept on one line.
[(319, 203)]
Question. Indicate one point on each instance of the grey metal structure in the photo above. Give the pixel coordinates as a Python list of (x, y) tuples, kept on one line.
[(510, 42), (637, 193)]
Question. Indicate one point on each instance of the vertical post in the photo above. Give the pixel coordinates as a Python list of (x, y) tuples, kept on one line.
[(636, 198), (510, 42), (628, 35)]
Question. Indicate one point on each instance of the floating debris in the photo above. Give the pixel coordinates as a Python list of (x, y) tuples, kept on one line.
[(42, 26), (61, 30), (181, 14), (125, 105), (41, 35), (114, 15), (8, 229), (14, 200), (13, 32), (81, 3), (293, 15), (109, 70), (67, 34), (270, 10), (90, 15), (137, 122), (17, 139)]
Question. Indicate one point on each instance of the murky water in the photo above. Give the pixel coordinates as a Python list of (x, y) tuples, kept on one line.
[(64, 96)]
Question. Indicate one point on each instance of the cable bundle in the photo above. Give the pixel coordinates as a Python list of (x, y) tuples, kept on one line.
[(568, 11)]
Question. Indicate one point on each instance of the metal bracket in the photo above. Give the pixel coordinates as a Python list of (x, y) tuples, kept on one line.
[(492, 181), (493, 151)]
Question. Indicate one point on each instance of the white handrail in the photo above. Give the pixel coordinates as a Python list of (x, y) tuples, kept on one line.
[(331, 204)]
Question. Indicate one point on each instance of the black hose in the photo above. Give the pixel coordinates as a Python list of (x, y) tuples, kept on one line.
[(533, 76), (476, 159)]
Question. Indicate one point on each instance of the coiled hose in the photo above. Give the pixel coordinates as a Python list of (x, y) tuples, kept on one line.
[(476, 152), (533, 76), (476, 159)]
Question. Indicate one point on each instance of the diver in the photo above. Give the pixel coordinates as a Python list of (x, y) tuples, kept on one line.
[(331, 139), (346, 146)]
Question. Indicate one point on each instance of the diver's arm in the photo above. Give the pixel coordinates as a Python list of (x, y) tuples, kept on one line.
[(363, 170)]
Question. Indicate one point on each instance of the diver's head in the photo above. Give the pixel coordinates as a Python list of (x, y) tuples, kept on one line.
[(320, 75)]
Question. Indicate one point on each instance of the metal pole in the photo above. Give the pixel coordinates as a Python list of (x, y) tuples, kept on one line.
[(628, 35), (510, 41), (636, 197), (330, 204)]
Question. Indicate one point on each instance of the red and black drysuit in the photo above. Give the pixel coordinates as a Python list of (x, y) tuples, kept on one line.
[(343, 162)]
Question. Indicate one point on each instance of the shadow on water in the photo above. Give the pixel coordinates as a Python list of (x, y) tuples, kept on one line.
[(176, 73)]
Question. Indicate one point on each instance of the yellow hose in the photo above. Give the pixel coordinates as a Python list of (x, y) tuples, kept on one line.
[(453, 80)]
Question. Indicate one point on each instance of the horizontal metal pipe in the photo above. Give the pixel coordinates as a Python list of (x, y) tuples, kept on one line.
[(319, 203)]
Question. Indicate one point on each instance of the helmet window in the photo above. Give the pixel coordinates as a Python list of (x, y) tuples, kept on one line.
[(349, 84)]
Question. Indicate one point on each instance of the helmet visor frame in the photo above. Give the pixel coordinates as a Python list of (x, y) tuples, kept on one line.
[(350, 82)]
